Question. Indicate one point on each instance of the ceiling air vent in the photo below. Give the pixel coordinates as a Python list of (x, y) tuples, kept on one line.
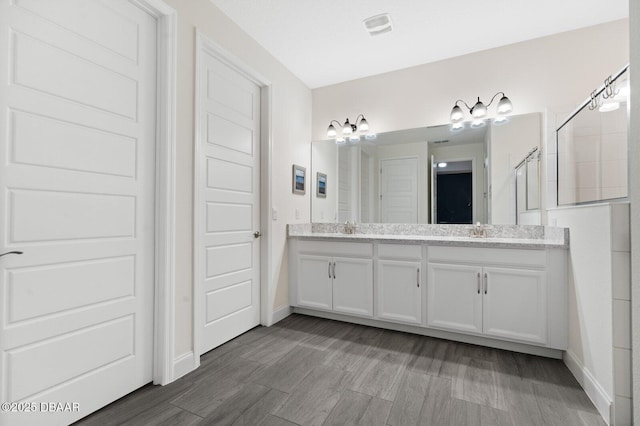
[(378, 24)]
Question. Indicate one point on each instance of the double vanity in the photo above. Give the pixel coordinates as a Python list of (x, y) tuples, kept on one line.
[(502, 286)]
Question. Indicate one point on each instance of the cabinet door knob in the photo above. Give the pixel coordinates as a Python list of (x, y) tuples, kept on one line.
[(486, 283), (478, 282), (10, 252)]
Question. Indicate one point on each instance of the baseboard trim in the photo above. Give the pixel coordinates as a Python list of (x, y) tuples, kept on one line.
[(440, 334), (591, 387), (183, 364), (280, 314)]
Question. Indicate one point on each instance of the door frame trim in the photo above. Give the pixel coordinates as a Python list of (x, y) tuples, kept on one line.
[(267, 293), (165, 189)]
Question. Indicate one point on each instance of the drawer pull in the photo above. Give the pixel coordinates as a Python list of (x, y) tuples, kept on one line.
[(478, 282)]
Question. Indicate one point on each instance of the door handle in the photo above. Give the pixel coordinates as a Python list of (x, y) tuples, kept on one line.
[(257, 234), (334, 270), (418, 278), (486, 283), (10, 252), (478, 282)]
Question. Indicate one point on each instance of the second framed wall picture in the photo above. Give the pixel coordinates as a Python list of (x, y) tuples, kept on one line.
[(321, 190), (299, 179)]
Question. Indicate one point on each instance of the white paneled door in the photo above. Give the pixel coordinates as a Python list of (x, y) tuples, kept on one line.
[(399, 190), (77, 167), (228, 201)]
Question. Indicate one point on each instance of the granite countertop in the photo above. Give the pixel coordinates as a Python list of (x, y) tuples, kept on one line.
[(497, 236)]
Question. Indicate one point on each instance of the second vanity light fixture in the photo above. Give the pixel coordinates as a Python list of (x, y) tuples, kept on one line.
[(348, 131), (479, 111)]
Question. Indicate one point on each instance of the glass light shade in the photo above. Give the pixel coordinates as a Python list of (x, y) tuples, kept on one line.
[(331, 131), (346, 129), (477, 123), (479, 110), (340, 141), (363, 126), (504, 105), (456, 127), (354, 138), (456, 114)]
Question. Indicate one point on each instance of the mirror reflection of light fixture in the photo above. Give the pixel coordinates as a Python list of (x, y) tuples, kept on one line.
[(442, 165), (349, 131), (479, 111)]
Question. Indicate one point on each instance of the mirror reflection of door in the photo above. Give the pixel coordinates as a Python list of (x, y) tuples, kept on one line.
[(399, 190), (453, 189)]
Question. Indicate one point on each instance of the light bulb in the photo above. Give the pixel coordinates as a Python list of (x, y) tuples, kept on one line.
[(501, 119), (609, 106), (477, 123), (442, 165)]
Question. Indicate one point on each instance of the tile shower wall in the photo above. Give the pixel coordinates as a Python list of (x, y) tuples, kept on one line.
[(621, 281)]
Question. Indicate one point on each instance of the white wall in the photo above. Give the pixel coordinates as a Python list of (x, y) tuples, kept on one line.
[(324, 155), (291, 124), (598, 257)]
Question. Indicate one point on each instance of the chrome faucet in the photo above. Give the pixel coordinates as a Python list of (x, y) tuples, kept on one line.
[(349, 228), (478, 231)]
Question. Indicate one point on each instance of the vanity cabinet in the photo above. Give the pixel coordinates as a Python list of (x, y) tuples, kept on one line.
[(337, 283), (499, 296), (399, 283), (470, 291)]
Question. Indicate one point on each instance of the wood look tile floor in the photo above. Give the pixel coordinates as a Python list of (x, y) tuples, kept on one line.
[(312, 371)]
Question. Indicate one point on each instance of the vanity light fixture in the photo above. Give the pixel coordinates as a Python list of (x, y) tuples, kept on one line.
[(349, 131), (479, 111)]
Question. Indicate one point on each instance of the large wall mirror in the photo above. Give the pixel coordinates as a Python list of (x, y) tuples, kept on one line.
[(425, 175)]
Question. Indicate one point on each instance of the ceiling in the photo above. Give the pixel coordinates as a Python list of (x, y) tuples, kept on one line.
[(324, 42)]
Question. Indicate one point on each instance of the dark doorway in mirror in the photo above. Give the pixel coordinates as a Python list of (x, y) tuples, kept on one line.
[(455, 198)]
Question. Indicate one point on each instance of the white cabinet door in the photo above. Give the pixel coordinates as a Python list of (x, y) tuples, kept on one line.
[(454, 297), (399, 289), (314, 281), (515, 304), (353, 286)]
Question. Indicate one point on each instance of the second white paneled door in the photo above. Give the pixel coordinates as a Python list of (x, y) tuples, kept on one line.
[(77, 167), (228, 200)]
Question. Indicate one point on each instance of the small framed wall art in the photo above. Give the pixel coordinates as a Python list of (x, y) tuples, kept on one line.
[(321, 182), (299, 179)]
